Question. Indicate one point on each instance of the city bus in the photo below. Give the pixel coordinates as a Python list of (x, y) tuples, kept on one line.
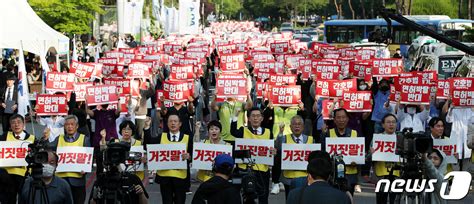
[(344, 32)]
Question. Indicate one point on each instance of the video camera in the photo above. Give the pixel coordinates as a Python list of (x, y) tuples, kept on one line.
[(37, 155), (246, 178), (111, 186), (411, 146), (338, 178)]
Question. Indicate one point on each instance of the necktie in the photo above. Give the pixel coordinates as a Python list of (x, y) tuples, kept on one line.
[(17, 137), (174, 138), (255, 132), (298, 140), (9, 94)]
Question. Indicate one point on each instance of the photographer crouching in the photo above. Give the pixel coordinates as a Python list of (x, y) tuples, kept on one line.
[(218, 189)]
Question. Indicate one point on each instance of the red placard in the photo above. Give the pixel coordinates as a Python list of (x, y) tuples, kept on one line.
[(328, 104), (176, 90), (285, 96), (282, 79), (123, 104), (170, 48), (113, 54), (114, 70), (261, 88), (279, 47), (51, 104), (124, 86), (387, 67), (138, 70), (327, 71), (226, 48), (127, 50), (442, 90), (263, 56), (357, 101), (365, 54), (461, 91), (86, 70), (101, 94), (80, 90), (168, 103), (428, 77), (305, 68), (181, 72), (361, 69), (335, 88), (413, 90), (232, 62), (108, 60), (231, 86), (58, 81)]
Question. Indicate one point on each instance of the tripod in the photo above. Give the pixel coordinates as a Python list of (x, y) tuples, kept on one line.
[(38, 185)]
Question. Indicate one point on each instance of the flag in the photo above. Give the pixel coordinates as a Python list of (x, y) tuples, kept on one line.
[(23, 93), (45, 66), (74, 51), (188, 17), (120, 43)]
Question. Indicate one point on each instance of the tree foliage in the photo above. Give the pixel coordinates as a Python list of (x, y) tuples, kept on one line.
[(68, 16)]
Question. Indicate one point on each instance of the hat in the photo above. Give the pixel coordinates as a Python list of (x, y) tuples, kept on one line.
[(222, 159)]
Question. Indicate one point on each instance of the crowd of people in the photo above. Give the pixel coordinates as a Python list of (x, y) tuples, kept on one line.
[(203, 117)]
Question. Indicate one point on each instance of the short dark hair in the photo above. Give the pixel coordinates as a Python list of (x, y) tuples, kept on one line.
[(318, 154), (319, 168), (388, 115), (249, 112), (225, 169), (435, 121), (127, 123), (16, 116), (214, 123), (174, 113), (340, 109)]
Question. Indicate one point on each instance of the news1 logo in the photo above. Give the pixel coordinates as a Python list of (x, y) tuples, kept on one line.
[(459, 188)]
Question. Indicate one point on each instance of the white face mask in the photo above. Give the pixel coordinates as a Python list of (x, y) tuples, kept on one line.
[(411, 110), (48, 170), (362, 87)]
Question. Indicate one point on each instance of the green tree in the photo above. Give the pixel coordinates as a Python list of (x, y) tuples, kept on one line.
[(229, 8), (430, 7), (69, 16)]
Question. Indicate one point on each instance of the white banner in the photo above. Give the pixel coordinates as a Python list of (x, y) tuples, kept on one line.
[(166, 156), (449, 147), (129, 14), (204, 154), (259, 149), (13, 153), (75, 159), (385, 146), (352, 149), (189, 16), (131, 166), (295, 156)]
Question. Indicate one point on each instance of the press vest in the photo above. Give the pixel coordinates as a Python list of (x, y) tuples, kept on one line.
[(176, 173), (63, 143)]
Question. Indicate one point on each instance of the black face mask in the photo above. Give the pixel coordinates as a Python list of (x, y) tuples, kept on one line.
[(384, 88)]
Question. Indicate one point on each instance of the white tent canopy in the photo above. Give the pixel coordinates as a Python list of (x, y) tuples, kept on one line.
[(20, 26)]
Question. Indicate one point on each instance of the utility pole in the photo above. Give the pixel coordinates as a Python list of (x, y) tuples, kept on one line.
[(305, 17)]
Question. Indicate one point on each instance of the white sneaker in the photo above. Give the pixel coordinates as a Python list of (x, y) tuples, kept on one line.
[(275, 189), (357, 189), (282, 187)]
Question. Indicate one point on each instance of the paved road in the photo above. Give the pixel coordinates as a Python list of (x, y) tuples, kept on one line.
[(367, 196)]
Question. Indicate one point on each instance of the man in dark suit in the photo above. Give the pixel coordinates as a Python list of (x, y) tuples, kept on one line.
[(8, 101), (318, 190)]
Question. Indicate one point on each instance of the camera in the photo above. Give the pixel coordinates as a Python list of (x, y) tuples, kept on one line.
[(111, 186), (246, 178), (35, 158), (411, 147), (338, 177)]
